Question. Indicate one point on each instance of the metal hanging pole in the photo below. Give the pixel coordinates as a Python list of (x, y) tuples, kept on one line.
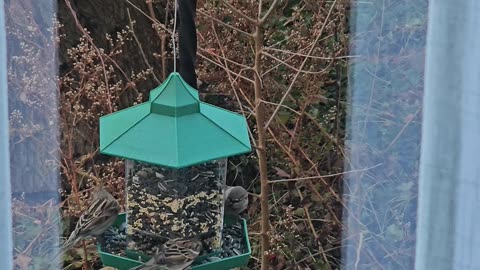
[(187, 40)]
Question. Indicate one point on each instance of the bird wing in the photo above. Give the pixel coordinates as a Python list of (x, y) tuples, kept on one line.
[(174, 256), (98, 213), (97, 218)]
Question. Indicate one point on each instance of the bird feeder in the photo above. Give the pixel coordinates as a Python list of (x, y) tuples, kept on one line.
[(175, 149)]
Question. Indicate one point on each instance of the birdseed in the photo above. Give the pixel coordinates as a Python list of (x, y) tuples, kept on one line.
[(164, 203), (233, 242)]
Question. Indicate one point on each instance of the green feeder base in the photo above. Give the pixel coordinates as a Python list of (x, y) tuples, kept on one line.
[(124, 263)]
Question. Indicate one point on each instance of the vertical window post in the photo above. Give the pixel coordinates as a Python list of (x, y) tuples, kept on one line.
[(5, 190)]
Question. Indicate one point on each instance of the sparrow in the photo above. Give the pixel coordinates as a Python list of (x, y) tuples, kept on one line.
[(235, 200), (175, 254), (99, 216)]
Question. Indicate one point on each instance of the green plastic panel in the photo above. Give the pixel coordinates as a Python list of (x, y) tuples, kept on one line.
[(174, 129), (230, 262), (123, 263), (234, 124), (110, 130), (175, 76), (175, 100)]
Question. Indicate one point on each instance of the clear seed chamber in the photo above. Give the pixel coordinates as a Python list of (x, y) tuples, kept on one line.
[(165, 203)]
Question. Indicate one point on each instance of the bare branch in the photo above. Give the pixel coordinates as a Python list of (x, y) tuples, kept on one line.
[(225, 59), (284, 106), (140, 46), (230, 79), (311, 56), (277, 65), (90, 40), (238, 12), (154, 20), (261, 150), (260, 3), (323, 176), (269, 11), (224, 24), (162, 39), (220, 65), (292, 67)]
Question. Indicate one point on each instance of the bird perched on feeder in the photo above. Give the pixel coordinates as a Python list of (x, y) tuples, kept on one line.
[(175, 254), (99, 216), (235, 200)]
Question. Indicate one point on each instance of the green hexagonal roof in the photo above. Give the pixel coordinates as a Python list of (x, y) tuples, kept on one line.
[(174, 129)]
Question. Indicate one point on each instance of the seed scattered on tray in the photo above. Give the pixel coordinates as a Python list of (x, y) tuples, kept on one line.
[(115, 240), (232, 239), (233, 243)]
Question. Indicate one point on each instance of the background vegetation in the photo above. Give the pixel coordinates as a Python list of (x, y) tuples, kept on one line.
[(111, 53)]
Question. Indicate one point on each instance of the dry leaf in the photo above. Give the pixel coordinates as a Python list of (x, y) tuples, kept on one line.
[(299, 212), (77, 264), (315, 197), (23, 261), (281, 173), (279, 262)]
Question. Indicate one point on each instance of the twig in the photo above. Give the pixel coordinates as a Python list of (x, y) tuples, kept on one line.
[(357, 253), (269, 11), (162, 38), (315, 191), (238, 12), (85, 257), (84, 174), (154, 20), (311, 56), (323, 131), (90, 40), (299, 121), (140, 46), (283, 148), (294, 68), (284, 106), (260, 3), (230, 79), (338, 74), (309, 221), (289, 58), (164, 56), (223, 57), (290, 87), (220, 65), (71, 167), (323, 176), (224, 24), (407, 123)]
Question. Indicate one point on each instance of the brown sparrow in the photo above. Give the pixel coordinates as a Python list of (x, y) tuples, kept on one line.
[(99, 216), (175, 254)]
